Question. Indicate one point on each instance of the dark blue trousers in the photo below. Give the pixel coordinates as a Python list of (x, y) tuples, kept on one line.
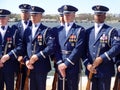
[(71, 82), (38, 81), (8, 79), (101, 83)]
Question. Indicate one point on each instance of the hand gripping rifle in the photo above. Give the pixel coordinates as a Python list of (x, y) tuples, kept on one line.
[(6, 47), (91, 74), (27, 82), (5, 51), (117, 82)]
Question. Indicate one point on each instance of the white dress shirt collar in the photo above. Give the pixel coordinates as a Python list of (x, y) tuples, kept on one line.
[(98, 28), (25, 25), (34, 28), (68, 26), (3, 31)]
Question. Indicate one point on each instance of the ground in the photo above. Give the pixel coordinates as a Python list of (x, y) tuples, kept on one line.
[(82, 84)]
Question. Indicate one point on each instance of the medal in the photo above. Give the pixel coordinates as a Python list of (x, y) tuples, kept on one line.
[(73, 39), (39, 39), (9, 42), (9, 46), (103, 40)]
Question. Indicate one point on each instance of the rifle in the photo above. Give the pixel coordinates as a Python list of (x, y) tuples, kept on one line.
[(19, 76), (89, 81), (64, 83), (5, 50), (117, 82), (26, 86), (54, 81), (91, 74)]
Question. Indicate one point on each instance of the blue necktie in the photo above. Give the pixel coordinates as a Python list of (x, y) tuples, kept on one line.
[(68, 24), (3, 27), (25, 22), (35, 25)]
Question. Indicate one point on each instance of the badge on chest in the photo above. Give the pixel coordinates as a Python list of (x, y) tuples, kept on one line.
[(40, 38), (9, 42), (72, 39), (103, 40)]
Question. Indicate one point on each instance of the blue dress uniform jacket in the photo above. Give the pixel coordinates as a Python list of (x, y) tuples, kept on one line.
[(42, 44), (11, 37), (70, 47), (21, 31), (108, 42), (70, 50), (11, 44), (23, 69)]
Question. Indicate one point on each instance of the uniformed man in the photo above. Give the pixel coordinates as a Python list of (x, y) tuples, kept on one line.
[(24, 23), (61, 20), (38, 42), (70, 47), (9, 42), (25, 15), (102, 45)]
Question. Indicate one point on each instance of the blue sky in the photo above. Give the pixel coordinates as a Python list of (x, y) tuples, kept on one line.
[(51, 6)]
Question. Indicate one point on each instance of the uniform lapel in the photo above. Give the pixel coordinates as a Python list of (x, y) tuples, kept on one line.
[(7, 33), (62, 35), (30, 36), (30, 23), (20, 27), (92, 36)]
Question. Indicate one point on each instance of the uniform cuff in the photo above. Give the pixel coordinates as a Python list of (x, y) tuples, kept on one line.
[(42, 54), (105, 57), (85, 62), (59, 62), (12, 53), (68, 62)]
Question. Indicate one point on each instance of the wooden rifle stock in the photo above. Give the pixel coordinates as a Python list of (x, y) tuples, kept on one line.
[(18, 81), (19, 75), (26, 86), (117, 82), (55, 79), (89, 81)]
